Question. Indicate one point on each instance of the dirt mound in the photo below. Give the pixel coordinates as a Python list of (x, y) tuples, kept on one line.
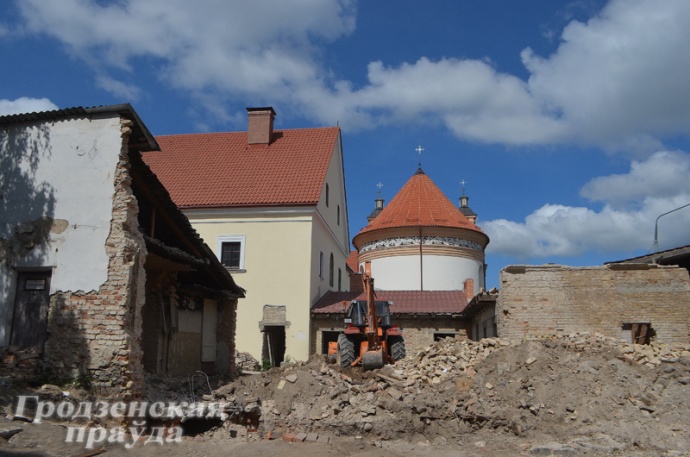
[(580, 392), (577, 394)]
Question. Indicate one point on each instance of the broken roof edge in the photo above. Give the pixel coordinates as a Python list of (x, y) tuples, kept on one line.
[(123, 109), (215, 268), (666, 254)]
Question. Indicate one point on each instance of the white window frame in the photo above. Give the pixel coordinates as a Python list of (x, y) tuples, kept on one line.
[(232, 239)]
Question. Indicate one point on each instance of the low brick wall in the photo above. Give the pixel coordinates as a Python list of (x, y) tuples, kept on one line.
[(553, 299), (418, 332)]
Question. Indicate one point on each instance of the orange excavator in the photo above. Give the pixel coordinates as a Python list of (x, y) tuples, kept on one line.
[(368, 339)]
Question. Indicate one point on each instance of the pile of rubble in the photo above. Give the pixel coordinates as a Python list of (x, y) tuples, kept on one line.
[(576, 393), (588, 391), (245, 362), (19, 363)]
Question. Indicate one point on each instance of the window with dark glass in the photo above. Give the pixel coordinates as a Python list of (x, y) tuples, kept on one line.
[(331, 266), (230, 254)]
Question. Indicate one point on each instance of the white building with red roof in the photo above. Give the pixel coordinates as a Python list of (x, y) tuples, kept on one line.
[(272, 204), (427, 259), (450, 255)]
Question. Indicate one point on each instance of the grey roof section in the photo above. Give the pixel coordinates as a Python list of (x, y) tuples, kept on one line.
[(666, 257), (141, 137), (466, 211)]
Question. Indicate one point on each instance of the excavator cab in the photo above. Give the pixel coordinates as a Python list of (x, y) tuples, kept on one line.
[(356, 313)]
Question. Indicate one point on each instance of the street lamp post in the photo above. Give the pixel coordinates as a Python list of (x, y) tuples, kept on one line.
[(656, 226)]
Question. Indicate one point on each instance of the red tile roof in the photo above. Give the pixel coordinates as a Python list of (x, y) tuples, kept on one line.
[(420, 203), (222, 170), (404, 301), (352, 261)]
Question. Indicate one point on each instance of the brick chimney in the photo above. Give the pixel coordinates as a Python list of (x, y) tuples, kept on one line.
[(260, 125), (469, 289), (356, 284)]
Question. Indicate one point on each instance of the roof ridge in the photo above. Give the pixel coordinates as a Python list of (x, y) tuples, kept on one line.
[(232, 132)]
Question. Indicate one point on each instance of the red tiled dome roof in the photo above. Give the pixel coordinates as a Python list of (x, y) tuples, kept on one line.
[(420, 203)]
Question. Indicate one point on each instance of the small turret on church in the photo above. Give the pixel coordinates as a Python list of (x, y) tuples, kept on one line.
[(378, 205), (465, 208)]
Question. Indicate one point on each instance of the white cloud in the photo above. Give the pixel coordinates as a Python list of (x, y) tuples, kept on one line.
[(633, 202), (25, 105), (487, 106), (253, 48), (665, 174), (622, 76), (619, 80), (118, 88)]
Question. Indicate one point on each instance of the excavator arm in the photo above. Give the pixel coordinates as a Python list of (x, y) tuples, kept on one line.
[(374, 354)]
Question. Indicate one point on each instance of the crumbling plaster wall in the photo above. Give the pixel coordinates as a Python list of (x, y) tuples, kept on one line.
[(56, 194), (554, 299), (98, 334), (97, 259)]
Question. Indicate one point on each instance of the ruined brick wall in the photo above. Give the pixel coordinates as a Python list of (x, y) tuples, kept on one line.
[(552, 299), (418, 332), (227, 319), (97, 334), (157, 314)]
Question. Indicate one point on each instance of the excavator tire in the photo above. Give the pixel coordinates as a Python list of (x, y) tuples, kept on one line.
[(346, 351), (397, 345)]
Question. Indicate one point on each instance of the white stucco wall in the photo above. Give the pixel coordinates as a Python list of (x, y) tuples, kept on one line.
[(276, 266), (440, 272), (281, 259), (65, 171), (337, 203)]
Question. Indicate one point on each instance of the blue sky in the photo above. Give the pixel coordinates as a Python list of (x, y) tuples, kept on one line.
[(568, 120)]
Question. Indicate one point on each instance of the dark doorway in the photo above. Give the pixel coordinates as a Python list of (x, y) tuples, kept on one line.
[(328, 337), (274, 344), (638, 333), (31, 304)]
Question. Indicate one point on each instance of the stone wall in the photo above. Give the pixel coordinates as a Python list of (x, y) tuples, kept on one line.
[(419, 332), (553, 299)]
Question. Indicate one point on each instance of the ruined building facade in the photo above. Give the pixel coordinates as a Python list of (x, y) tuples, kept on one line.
[(92, 251)]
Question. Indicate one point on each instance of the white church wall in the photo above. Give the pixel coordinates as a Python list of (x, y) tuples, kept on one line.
[(441, 272)]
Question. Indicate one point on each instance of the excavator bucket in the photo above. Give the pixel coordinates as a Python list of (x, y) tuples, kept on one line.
[(372, 360)]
